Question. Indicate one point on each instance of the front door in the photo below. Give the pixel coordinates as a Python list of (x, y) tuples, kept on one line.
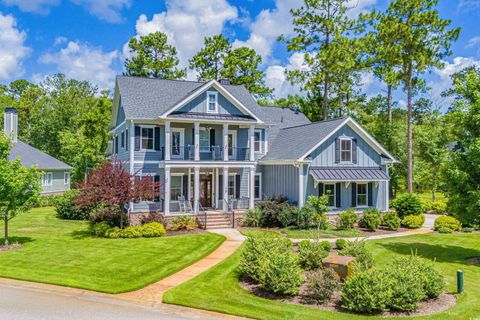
[(206, 190)]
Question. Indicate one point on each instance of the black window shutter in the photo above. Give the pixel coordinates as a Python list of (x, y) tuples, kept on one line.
[(122, 140), (127, 139), (193, 136), (237, 186), (116, 144), (137, 138), (337, 150), (354, 150), (338, 194), (157, 138), (156, 180), (370, 194), (354, 194), (220, 186), (212, 137), (185, 186), (320, 189)]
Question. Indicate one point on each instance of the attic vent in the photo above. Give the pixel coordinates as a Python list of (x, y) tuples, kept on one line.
[(224, 81)]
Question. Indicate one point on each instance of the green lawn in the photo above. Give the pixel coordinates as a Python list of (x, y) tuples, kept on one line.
[(62, 252), (260, 232), (295, 233), (218, 288)]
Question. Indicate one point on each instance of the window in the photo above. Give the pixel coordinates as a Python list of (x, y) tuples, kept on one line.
[(204, 140), (176, 187), (345, 150), (122, 140), (330, 193), (258, 141), (66, 177), (212, 98), (362, 195), (231, 186), (126, 139), (177, 142), (47, 179), (258, 186), (147, 138), (115, 150), (232, 144)]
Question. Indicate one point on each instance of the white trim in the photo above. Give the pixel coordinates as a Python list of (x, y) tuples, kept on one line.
[(277, 162), (117, 127), (344, 138), (182, 142), (212, 164), (351, 180), (234, 144), (200, 140), (356, 127), (66, 177), (176, 174), (261, 143), (334, 194), (221, 89), (46, 182), (147, 126), (214, 93), (258, 174), (366, 195)]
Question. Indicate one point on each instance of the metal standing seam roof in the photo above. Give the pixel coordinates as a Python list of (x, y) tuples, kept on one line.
[(348, 174), (30, 156)]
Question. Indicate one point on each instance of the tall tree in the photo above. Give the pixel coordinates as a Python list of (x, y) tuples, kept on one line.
[(209, 61), (19, 186), (322, 33), (419, 40), (153, 57)]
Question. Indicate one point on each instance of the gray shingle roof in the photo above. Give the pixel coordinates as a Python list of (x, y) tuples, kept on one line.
[(348, 174), (293, 142), (210, 116), (30, 156)]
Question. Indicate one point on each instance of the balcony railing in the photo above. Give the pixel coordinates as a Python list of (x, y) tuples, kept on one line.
[(212, 153)]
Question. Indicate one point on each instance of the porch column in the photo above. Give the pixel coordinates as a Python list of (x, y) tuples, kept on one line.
[(225, 142), (196, 142), (189, 184), (131, 150), (387, 191), (166, 202), (217, 191), (225, 188), (251, 136), (251, 189), (301, 187), (168, 140), (196, 190)]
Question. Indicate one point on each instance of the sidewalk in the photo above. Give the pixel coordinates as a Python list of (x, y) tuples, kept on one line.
[(152, 295)]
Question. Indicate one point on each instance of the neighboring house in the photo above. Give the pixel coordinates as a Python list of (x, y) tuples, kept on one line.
[(56, 174), (213, 147)]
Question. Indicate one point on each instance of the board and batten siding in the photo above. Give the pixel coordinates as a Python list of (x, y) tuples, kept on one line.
[(280, 180), (58, 183), (199, 105)]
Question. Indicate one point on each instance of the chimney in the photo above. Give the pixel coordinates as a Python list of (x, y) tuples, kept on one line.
[(224, 81), (11, 123)]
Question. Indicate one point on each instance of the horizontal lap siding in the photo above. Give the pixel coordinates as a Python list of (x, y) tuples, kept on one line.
[(281, 180), (58, 183)]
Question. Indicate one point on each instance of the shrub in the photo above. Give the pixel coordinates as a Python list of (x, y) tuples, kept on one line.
[(327, 246), (407, 288), (413, 221), (432, 281), (152, 229), (439, 207), (447, 222), (367, 292), (408, 204), (305, 217), (371, 219), (253, 217), (281, 273), (444, 230), (110, 214), (99, 229), (271, 209), (321, 284), (113, 233), (467, 230), (311, 254), (66, 208), (131, 232), (182, 223), (286, 217), (341, 243), (427, 205), (391, 220), (346, 220), (47, 201), (358, 250)]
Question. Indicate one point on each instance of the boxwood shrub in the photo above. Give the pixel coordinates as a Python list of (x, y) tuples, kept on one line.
[(413, 221), (148, 230), (447, 222), (346, 220), (408, 204), (391, 220), (371, 219), (341, 243), (66, 208)]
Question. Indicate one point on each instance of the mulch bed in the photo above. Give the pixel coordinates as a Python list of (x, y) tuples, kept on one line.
[(428, 307), (14, 246), (180, 232), (380, 231), (474, 260)]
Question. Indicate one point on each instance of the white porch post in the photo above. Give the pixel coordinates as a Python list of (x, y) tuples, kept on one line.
[(189, 184), (168, 140), (225, 142), (301, 187), (131, 150), (196, 143), (225, 189), (251, 189), (387, 191), (251, 135), (217, 191), (196, 189), (166, 203)]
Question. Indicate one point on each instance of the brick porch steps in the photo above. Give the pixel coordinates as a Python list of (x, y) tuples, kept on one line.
[(218, 220)]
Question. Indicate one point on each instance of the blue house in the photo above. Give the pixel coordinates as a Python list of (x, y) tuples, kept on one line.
[(214, 149)]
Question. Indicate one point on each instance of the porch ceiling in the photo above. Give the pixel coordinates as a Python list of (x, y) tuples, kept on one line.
[(348, 174)]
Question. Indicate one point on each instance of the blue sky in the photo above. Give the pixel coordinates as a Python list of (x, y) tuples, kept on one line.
[(85, 39)]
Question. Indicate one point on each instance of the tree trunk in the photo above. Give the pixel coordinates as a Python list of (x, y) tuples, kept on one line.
[(409, 130), (434, 182), (6, 229), (389, 98), (325, 98)]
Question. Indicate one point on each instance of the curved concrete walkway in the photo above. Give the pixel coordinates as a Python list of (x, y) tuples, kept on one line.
[(152, 294)]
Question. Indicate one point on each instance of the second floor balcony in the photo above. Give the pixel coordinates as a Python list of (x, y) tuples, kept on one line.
[(187, 153)]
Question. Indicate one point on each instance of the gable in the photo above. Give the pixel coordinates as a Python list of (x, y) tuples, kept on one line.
[(199, 105)]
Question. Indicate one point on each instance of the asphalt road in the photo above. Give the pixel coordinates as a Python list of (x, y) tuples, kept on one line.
[(25, 303)]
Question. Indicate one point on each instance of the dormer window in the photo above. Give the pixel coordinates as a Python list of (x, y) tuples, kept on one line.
[(346, 150), (212, 102)]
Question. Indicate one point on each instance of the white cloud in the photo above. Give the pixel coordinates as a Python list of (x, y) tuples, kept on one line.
[(60, 40), (12, 48), (468, 5), (473, 42), (34, 6), (107, 10), (186, 23), (276, 78), (84, 62)]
